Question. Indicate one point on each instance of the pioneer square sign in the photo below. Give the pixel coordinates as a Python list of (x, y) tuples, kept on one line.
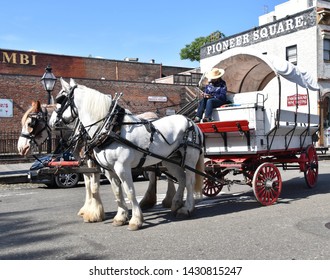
[(275, 29)]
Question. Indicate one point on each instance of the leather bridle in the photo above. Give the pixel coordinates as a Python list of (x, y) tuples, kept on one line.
[(66, 101), (38, 124)]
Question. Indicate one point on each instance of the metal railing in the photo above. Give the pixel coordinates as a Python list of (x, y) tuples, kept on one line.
[(9, 139)]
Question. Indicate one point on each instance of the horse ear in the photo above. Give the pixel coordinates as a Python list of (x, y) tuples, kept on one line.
[(36, 106), (72, 82), (65, 85)]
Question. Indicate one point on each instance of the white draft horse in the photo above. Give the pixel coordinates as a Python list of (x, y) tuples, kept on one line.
[(35, 131), (121, 142)]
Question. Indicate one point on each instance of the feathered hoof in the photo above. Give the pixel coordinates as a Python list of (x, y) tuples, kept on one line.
[(89, 219), (92, 217), (134, 227), (176, 206), (81, 212), (119, 223), (182, 213)]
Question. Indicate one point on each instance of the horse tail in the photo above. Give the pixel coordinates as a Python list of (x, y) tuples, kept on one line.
[(199, 178)]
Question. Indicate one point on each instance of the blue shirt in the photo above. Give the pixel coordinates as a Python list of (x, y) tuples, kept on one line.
[(217, 90)]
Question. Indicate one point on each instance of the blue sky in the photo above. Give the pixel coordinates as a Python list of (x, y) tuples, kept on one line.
[(144, 29)]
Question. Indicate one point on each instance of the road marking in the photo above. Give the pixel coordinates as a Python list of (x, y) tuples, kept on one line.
[(15, 194)]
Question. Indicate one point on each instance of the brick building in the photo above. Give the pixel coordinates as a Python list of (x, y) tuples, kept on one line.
[(20, 74)]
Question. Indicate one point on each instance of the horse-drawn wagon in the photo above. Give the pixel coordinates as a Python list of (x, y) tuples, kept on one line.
[(271, 123)]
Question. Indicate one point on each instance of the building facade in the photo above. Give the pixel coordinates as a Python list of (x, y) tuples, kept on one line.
[(21, 72), (297, 31)]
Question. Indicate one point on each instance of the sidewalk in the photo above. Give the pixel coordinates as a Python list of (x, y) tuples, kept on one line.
[(13, 173)]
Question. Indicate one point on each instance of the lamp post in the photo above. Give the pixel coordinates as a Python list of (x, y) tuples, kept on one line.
[(48, 81)]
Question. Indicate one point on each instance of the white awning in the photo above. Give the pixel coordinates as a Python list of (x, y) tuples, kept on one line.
[(248, 70)]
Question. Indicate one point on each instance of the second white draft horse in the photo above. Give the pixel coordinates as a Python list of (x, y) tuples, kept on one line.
[(120, 142)]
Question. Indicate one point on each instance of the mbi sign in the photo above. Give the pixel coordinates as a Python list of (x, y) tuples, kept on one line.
[(299, 21), (7, 57)]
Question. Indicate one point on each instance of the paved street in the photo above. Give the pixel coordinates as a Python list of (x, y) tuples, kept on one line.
[(41, 223)]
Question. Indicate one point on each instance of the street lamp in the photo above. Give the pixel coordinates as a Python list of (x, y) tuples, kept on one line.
[(48, 81)]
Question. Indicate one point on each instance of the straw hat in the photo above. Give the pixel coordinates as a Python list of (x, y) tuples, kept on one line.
[(215, 73)]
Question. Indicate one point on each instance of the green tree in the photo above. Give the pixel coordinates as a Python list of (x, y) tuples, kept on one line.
[(192, 50)]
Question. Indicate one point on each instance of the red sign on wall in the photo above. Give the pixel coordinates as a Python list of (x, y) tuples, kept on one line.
[(6, 108), (300, 98)]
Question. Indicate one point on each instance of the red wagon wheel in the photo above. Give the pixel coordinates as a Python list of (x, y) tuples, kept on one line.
[(267, 183), (311, 167), (211, 187)]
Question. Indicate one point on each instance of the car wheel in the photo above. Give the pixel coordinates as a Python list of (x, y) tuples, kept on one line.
[(67, 180)]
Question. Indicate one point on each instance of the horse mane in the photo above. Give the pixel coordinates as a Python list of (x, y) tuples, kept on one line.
[(96, 102)]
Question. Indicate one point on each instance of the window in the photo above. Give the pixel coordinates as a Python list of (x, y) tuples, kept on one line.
[(326, 49), (291, 54)]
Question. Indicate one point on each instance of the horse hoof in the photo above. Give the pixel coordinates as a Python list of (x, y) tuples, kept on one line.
[(134, 227), (93, 218), (183, 213), (117, 223), (96, 220)]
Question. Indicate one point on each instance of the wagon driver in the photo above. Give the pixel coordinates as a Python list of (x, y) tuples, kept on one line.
[(214, 95)]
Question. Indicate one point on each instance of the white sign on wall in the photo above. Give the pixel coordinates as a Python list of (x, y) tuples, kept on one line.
[(157, 98), (6, 108)]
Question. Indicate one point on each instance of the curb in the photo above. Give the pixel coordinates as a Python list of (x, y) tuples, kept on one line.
[(14, 179)]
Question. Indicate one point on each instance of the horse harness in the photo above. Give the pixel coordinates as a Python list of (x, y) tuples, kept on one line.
[(109, 131)]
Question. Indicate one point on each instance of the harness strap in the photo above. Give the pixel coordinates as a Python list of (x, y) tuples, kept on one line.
[(124, 141), (112, 122), (142, 160)]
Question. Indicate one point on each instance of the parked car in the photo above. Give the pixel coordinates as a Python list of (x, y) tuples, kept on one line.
[(68, 180), (54, 180)]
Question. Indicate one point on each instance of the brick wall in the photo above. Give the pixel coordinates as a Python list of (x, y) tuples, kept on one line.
[(20, 74), (24, 89)]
